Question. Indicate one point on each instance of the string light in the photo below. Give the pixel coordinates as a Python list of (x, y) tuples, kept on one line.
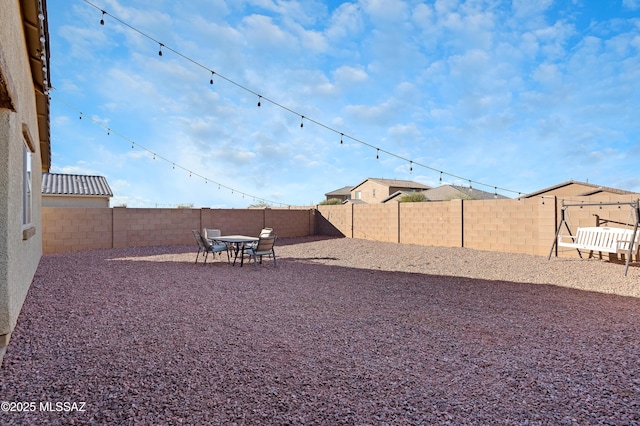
[(211, 81), (102, 19), (284, 107), (410, 166), (173, 164), (440, 178), (378, 154)]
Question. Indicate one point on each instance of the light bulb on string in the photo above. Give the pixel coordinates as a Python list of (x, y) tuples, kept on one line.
[(495, 192), (301, 121), (377, 153), (160, 51), (102, 18), (341, 135), (259, 97), (211, 81), (440, 178), (470, 185), (410, 166)]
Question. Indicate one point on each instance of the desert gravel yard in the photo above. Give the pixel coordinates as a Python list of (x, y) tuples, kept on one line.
[(344, 331)]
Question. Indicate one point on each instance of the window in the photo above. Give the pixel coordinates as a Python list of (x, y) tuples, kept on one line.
[(27, 193), (358, 195)]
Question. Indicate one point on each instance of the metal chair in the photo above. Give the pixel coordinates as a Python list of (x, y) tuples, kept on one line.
[(264, 247), (206, 246)]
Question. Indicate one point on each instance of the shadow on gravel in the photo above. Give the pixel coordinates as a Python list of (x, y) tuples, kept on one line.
[(166, 341)]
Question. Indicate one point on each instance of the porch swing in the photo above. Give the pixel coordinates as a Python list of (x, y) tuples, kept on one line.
[(600, 238)]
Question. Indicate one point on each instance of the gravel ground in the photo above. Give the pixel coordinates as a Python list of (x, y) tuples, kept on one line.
[(342, 332)]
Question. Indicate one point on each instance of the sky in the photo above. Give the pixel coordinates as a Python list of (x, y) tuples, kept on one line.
[(510, 96)]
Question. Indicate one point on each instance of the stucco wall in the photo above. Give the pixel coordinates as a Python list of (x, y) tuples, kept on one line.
[(74, 201), (18, 257), (371, 192)]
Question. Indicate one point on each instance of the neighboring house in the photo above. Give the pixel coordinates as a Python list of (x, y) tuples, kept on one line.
[(374, 190), (25, 150), (341, 194), (574, 188), (457, 192), (61, 190)]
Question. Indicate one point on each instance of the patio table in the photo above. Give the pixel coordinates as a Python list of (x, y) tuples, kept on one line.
[(238, 242)]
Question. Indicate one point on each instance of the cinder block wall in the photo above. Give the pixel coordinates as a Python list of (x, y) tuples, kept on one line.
[(434, 224), (509, 225), (70, 229), (145, 227), (514, 226), (379, 222), (335, 220)]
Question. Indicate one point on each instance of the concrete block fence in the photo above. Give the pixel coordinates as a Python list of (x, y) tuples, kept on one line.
[(70, 229), (527, 225)]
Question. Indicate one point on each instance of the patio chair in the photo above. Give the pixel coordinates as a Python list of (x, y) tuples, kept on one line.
[(264, 247), (266, 232), (210, 234), (205, 246)]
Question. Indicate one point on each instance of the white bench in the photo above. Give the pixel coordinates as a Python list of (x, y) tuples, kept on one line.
[(601, 239)]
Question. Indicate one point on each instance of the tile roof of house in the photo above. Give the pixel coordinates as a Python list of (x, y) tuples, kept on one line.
[(596, 188), (81, 185), (396, 183), (346, 190)]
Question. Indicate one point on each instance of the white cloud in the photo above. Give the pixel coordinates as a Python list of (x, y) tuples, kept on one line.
[(347, 74), (346, 20), (384, 12)]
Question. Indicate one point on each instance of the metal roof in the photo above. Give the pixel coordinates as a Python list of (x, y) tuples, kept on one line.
[(82, 185)]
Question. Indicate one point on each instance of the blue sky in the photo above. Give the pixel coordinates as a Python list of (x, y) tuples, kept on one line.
[(519, 95)]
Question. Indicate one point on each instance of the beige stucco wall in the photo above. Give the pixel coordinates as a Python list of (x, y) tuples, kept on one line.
[(371, 192), (19, 257), (74, 201)]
